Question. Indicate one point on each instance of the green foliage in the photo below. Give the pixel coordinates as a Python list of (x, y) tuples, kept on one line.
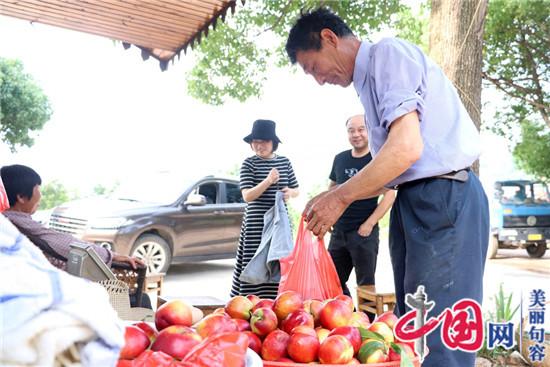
[(516, 60), (503, 311), (232, 62), (54, 194), (413, 25), (229, 65), (24, 107), (532, 154), (234, 170), (103, 190)]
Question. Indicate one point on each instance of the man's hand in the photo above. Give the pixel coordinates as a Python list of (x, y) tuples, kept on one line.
[(323, 211), (365, 229), (133, 261)]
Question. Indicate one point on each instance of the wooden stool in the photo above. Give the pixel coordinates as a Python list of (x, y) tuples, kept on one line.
[(153, 283), (206, 304), (371, 301)]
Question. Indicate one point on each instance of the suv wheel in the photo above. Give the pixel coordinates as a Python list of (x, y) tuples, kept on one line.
[(536, 250), (154, 251)]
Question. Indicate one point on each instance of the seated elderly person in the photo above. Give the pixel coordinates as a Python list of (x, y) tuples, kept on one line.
[(22, 185)]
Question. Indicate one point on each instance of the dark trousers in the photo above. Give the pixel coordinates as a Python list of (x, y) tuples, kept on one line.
[(145, 301), (439, 232), (350, 250)]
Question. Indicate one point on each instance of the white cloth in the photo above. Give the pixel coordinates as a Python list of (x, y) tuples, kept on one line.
[(43, 310)]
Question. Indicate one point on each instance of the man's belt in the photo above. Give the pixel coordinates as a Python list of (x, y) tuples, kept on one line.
[(460, 175)]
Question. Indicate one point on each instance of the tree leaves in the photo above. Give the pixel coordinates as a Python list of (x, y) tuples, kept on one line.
[(24, 107), (517, 60), (532, 154), (232, 62), (54, 194)]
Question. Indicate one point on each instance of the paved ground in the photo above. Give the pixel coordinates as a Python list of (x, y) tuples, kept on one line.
[(519, 275), (513, 268)]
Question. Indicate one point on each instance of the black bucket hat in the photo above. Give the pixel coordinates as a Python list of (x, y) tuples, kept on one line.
[(262, 130)]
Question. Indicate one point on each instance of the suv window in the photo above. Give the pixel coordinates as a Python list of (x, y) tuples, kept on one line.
[(210, 192), (233, 193)]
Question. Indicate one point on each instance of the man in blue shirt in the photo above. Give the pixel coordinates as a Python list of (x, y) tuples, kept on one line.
[(423, 143)]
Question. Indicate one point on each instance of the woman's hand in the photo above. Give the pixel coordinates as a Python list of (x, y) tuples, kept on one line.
[(273, 176), (288, 193), (255, 192), (133, 261)]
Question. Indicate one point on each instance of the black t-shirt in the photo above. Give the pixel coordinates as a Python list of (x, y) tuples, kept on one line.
[(344, 167)]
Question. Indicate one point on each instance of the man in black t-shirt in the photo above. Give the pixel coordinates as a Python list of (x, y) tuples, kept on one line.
[(354, 240)]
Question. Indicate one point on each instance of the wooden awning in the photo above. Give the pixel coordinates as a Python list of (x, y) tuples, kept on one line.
[(160, 28)]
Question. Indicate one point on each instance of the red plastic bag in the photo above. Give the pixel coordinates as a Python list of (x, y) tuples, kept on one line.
[(221, 350), (309, 269), (151, 358)]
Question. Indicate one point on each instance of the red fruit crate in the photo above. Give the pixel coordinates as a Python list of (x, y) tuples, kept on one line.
[(415, 361)]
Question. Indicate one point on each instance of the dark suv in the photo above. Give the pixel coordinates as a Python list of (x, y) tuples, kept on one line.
[(200, 222)]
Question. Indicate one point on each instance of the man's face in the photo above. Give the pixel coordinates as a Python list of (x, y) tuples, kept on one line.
[(30, 205), (357, 133), (325, 65)]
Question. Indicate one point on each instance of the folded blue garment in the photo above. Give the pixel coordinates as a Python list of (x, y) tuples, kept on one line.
[(276, 243)]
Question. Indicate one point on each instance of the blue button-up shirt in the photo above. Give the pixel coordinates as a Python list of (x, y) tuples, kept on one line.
[(394, 77)]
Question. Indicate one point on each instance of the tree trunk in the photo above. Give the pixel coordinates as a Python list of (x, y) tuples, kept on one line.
[(456, 44)]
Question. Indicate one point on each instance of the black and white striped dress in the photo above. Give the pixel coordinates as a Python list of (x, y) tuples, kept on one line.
[(253, 171)]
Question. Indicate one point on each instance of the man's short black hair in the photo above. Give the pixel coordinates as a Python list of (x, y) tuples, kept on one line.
[(305, 33), (19, 180)]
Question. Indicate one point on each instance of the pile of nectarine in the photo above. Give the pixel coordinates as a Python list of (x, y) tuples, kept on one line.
[(290, 329), (287, 329), (172, 340)]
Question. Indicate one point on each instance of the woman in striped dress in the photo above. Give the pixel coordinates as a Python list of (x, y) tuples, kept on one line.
[(262, 175)]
